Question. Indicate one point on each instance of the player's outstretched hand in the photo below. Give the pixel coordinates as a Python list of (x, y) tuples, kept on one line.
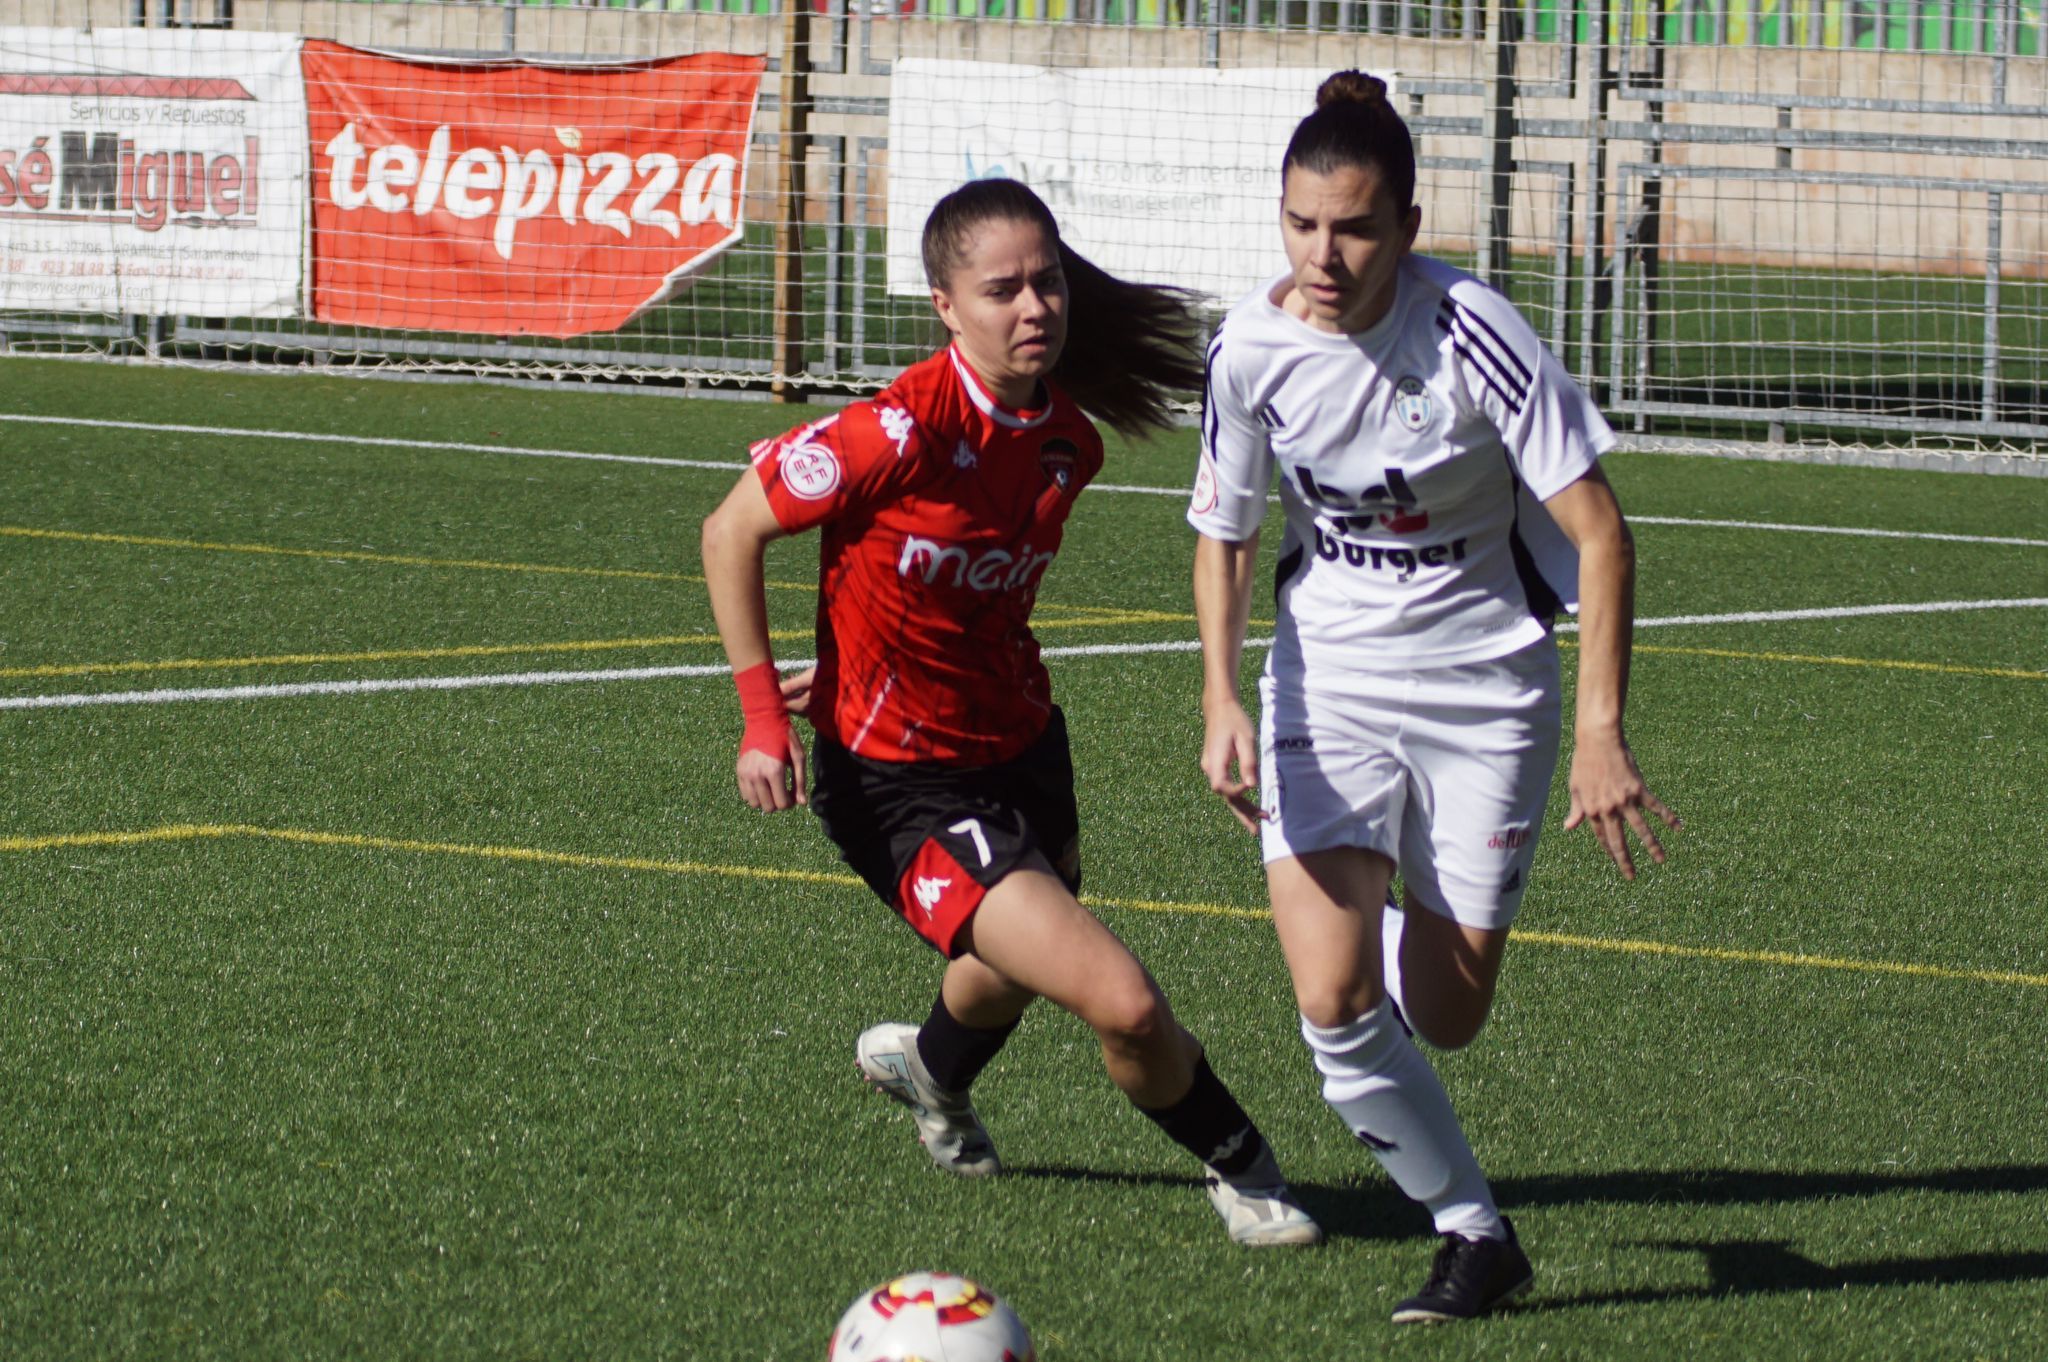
[(1608, 792), (796, 691), (1230, 759), (770, 784)]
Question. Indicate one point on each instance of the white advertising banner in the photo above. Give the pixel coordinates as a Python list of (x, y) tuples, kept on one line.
[(152, 171), (1169, 176)]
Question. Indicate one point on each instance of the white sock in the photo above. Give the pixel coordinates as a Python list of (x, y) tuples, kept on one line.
[(1390, 1097), (1391, 922)]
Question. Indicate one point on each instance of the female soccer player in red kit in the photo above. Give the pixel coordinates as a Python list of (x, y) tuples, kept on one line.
[(941, 768)]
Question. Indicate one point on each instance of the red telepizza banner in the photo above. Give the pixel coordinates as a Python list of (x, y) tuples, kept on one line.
[(516, 199)]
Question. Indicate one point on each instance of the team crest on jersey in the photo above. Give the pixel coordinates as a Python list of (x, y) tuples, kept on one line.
[(810, 472), (1060, 459), (1412, 404)]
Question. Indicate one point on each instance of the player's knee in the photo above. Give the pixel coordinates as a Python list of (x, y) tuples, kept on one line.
[(1131, 1018), (1449, 1033), (1336, 1001), (1447, 1021)]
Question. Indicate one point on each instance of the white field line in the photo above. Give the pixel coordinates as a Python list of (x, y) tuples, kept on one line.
[(289, 689), (1832, 612), (734, 466), (387, 442), (1837, 529), (557, 678)]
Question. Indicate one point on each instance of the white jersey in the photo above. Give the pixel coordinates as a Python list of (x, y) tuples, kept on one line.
[(1414, 459)]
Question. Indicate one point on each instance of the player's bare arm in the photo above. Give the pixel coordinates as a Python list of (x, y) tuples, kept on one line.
[(1223, 592), (1607, 790), (770, 769)]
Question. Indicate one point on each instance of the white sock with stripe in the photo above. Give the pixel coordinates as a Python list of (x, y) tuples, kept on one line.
[(1390, 1097)]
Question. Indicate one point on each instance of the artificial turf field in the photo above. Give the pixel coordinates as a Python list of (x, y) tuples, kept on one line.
[(391, 1021)]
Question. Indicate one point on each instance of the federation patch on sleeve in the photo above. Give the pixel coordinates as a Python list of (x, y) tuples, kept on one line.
[(810, 471)]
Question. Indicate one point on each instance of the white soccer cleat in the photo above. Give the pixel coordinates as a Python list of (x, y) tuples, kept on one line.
[(1260, 1216), (946, 1124)]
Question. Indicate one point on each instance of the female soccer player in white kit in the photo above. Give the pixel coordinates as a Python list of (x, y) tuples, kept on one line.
[(1439, 475)]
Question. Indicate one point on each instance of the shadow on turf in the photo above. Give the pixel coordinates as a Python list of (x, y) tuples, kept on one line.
[(1754, 1267), (1375, 1210), (1345, 1211), (1731, 1186), (1763, 1267)]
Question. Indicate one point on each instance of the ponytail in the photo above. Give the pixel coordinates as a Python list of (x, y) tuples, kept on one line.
[(1129, 346)]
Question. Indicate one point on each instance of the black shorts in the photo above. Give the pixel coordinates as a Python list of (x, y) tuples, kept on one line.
[(930, 840)]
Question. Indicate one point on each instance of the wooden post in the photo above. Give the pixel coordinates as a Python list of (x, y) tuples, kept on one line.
[(794, 147), (1498, 122)]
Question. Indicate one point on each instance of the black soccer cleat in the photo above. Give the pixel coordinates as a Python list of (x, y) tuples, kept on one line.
[(1469, 1278)]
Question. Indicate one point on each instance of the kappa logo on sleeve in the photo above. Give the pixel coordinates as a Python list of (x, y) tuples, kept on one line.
[(899, 426)]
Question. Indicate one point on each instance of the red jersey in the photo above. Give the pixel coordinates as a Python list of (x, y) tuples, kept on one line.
[(941, 510)]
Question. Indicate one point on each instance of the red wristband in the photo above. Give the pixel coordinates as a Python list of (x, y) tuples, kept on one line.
[(766, 713)]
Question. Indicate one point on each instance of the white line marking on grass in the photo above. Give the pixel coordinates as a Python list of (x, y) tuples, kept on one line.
[(1144, 491), (286, 690), (1832, 612), (558, 678), (734, 466), (291, 689), (1837, 529), (383, 441)]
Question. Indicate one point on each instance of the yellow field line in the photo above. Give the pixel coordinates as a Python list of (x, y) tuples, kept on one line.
[(1890, 664), (1746, 957), (361, 556), (177, 832), (186, 832), (1096, 617), (1102, 615), (1123, 614), (1883, 663)]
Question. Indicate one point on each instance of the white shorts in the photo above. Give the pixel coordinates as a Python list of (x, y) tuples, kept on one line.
[(1445, 772)]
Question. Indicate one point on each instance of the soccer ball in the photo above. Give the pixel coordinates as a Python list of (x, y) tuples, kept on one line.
[(930, 1317)]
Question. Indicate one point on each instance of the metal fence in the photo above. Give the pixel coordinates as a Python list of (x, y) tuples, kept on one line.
[(2018, 27), (1804, 251)]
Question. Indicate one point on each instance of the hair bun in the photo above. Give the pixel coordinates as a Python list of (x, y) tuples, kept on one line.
[(1351, 87)]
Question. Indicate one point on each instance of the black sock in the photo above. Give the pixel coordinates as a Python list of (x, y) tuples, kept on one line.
[(954, 1053), (1209, 1124)]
